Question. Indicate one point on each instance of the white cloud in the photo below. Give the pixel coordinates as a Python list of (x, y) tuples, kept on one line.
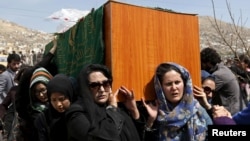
[(67, 18)]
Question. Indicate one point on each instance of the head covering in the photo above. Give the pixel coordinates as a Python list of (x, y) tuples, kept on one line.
[(204, 74), (95, 113), (187, 116), (20, 73), (40, 75), (62, 84), (43, 76)]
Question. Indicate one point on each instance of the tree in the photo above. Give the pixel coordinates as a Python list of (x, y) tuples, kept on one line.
[(235, 38)]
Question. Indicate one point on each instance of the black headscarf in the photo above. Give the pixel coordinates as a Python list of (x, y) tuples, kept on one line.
[(103, 124), (64, 85)]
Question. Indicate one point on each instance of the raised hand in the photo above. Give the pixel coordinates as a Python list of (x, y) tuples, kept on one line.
[(152, 110), (201, 97), (53, 49), (130, 102), (113, 98), (220, 111)]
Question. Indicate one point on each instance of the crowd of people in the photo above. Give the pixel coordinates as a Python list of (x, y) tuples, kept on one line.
[(26, 58), (49, 106)]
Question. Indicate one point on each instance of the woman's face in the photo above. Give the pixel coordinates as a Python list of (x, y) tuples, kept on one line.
[(41, 92), (173, 86), (59, 102), (208, 87), (100, 87)]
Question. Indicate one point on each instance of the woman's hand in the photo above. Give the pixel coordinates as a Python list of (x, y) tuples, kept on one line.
[(130, 102), (152, 110), (113, 98), (53, 49), (220, 111), (201, 97)]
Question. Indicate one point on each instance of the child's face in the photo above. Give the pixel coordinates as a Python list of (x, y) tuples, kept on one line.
[(59, 102)]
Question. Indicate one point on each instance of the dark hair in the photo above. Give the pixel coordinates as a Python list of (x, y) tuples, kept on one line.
[(209, 55), (84, 93), (63, 84), (210, 77), (13, 57), (100, 68), (2, 67), (21, 71), (244, 58), (164, 68)]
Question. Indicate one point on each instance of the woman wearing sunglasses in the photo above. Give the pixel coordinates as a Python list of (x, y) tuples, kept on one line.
[(205, 96), (96, 116)]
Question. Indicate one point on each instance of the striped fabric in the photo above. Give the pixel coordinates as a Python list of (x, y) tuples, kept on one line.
[(40, 75)]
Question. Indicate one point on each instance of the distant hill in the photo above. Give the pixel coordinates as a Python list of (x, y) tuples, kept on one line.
[(18, 38), (209, 37)]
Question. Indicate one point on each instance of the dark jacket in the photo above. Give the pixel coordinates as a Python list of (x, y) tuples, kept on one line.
[(23, 99), (227, 89), (75, 119), (100, 122), (22, 96), (50, 127), (114, 124), (51, 124), (7, 101)]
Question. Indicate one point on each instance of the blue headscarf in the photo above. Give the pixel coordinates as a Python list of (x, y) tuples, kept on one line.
[(186, 121), (204, 74)]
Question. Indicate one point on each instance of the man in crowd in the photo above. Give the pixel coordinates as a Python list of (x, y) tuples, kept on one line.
[(227, 91), (7, 77)]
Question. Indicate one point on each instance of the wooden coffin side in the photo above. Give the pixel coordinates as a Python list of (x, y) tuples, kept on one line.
[(137, 39)]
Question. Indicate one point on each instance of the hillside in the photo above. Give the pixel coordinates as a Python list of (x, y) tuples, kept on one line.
[(209, 37), (18, 38)]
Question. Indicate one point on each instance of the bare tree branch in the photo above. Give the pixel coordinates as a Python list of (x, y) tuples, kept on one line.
[(233, 36)]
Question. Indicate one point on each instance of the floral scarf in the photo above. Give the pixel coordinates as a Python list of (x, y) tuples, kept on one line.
[(187, 120)]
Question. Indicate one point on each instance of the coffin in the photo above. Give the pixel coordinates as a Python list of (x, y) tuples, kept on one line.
[(137, 39)]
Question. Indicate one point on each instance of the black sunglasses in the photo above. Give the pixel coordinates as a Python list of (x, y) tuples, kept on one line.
[(208, 90), (96, 85)]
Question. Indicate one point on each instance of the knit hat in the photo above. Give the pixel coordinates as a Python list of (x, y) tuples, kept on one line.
[(40, 75)]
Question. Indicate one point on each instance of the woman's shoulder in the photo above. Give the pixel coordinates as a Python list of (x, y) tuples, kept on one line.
[(74, 110), (75, 107), (41, 119)]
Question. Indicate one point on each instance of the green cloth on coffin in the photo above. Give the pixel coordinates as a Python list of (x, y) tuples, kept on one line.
[(80, 45)]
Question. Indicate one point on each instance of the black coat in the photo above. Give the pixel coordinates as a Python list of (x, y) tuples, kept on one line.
[(98, 122), (114, 125), (51, 124)]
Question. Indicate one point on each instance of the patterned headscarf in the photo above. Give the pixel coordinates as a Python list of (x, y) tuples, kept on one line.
[(185, 121)]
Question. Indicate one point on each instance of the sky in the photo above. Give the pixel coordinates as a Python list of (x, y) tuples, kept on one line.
[(34, 14)]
